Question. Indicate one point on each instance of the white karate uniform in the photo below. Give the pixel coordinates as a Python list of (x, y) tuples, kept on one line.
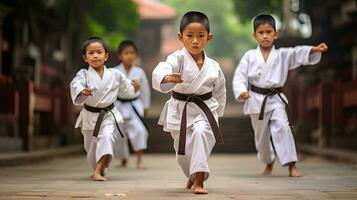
[(272, 73), (133, 126), (105, 92), (199, 138)]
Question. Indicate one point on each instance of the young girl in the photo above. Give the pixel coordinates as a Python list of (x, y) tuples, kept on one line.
[(97, 89), (133, 109)]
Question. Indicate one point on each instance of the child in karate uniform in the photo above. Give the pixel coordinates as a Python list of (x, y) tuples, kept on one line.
[(198, 98), (258, 80), (97, 88), (133, 109)]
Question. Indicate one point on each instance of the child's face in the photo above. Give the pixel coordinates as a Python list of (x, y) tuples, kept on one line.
[(95, 55), (195, 37), (265, 35), (127, 55)]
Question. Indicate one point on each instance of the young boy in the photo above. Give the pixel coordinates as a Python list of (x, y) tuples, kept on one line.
[(134, 109), (97, 89), (258, 80), (198, 99)]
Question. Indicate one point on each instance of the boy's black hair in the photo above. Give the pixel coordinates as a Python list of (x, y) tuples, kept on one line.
[(91, 40), (263, 19), (127, 43), (194, 16)]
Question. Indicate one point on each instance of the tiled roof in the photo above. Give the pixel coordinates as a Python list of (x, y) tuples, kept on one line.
[(152, 9)]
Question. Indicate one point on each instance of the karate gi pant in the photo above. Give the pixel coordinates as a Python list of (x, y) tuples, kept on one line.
[(136, 133), (274, 132), (199, 144), (106, 143)]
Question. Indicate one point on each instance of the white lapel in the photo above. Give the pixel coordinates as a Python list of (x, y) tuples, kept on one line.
[(93, 78), (103, 85), (259, 56), (193, 74), (267, 68), (276, 71)]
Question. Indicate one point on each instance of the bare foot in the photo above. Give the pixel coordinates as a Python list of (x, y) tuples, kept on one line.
[(139, 162), (293, 172), (123, 164), (268, 169), (92, 176), (189, 184), (100, 168), (198, 184), (199, 190), (98, 177), (140, 166)]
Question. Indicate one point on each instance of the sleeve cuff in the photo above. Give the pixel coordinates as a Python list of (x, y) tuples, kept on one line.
[(239, 91), (167, 87), (79, 99), (315, 58)]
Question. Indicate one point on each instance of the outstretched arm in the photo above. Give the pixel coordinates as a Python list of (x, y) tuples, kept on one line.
[(322, 47), (303, 55)]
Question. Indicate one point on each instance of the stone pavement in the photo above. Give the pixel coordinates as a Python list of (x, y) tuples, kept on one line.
[(233, 176)]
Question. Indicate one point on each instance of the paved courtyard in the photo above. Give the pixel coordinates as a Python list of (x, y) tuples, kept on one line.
[(233, 176)]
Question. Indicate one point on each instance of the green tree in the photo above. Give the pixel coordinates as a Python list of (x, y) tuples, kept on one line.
[(112, 19)]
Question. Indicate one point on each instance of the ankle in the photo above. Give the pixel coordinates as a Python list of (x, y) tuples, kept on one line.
[(269, 166), (292, 165), (199, 179), (98, 172)]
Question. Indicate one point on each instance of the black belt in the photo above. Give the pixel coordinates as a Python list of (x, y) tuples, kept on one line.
[(132, 105), (127, 100), (267, 92), (99, 121), (199, 101)]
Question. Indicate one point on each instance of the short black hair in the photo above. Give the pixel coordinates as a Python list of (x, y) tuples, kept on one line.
[(194, 16), (91, 40), (263, 19), (127, 43)]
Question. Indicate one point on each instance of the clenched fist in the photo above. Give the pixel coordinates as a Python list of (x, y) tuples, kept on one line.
[(87, 92), (172, 78), (322, 47), (136, 83), (244, 96)]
